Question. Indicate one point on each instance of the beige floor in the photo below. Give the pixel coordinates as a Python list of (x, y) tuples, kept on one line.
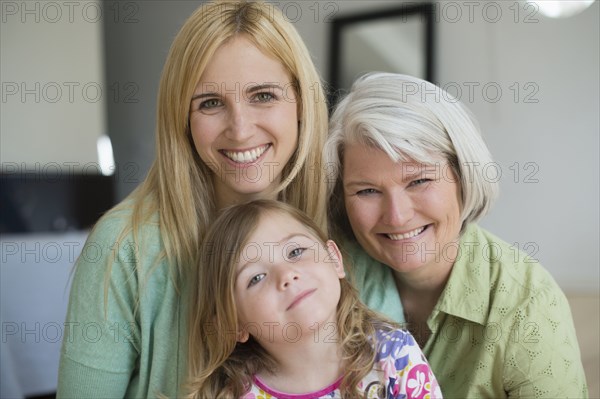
[(586, 314)]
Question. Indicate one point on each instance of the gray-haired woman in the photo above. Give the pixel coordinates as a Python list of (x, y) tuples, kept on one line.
[(409, 188)]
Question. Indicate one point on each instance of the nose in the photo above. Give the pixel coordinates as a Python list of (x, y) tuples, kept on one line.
[(239, 125), (287, 276), (397, 209)]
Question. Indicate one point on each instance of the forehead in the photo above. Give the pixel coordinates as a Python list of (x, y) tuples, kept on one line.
[(275, 225), (239, 61), (363, 159)]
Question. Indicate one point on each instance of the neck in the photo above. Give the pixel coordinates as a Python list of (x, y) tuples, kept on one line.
[(305, 366), (225, 198), (420, 291), (424, 282), (431, 278)]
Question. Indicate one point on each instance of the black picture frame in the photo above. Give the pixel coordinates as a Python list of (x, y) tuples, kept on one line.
[(424, 11)]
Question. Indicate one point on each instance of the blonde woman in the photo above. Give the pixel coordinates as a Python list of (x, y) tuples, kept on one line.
[(274, 315), (240, 116), (411, 186)]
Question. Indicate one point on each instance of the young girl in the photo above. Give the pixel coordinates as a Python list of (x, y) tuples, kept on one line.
[(273, 315)]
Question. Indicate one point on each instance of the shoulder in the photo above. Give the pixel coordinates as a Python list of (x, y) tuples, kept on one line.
[(362, 264), (374, 281), (393, 342), (114, 250), (118, 223), (541, 352), (513, 275), (523, 296), (114, 232)]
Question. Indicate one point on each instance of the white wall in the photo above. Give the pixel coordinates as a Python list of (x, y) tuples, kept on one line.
[(550, 207), (556, 138), (53, 91)]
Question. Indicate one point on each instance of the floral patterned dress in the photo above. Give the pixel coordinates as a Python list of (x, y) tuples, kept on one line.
[(400, 372)]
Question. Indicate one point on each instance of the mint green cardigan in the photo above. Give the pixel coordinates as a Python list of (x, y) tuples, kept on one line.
[(136, 346)]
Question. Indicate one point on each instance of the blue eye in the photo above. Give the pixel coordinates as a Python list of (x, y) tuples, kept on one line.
[(419, 182), (256, 279), (367, 191), (295, 253), (264, 97), (210, 103)]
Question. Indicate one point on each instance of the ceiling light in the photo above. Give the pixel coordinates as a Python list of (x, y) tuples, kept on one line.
[(561, 9)]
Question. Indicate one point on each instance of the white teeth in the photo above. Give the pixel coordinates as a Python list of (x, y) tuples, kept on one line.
[(246, 156), (410, 234)]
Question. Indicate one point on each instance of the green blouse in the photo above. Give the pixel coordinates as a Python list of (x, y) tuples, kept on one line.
[(501, 328)]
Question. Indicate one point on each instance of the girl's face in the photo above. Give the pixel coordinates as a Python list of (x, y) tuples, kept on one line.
[(287, 284), (244, 121)]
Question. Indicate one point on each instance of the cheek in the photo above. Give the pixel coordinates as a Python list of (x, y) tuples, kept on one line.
[(444, 208), (204, 131), (241, 309), (289, 142), (284, 121), (288, 138), (448, 201), (242, 320), (455, 192), (359, 215)]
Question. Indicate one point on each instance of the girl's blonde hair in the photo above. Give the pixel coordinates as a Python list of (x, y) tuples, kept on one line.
[(179, 187), (221, 367)]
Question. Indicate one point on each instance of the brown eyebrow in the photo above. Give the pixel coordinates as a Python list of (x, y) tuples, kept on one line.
[(252, 89), (284, 239), (203, 95), (263, 87), (421, 170), (359, 183)]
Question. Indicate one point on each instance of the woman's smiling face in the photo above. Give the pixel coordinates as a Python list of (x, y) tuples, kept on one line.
[(404, 214), (244, 121)]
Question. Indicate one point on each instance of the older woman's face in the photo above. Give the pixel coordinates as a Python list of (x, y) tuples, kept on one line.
[(406, 214)]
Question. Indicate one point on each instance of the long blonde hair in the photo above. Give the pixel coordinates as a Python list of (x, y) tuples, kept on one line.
[(221, 367), (179, 187)]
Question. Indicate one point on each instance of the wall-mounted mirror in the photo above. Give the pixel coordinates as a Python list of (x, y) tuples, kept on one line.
[(391, 40)]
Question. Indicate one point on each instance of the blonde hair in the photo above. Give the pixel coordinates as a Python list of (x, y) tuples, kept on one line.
[(179, 186), (409, 119), (221, 367)]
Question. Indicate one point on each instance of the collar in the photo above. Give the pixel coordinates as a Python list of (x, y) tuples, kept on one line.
[(467, 292)]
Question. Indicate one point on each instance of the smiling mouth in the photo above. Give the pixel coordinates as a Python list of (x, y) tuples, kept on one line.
[(247, 156), (410, 234), (300, 297)]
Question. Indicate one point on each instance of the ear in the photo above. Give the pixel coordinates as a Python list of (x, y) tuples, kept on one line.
[(335, 257), (242, 336)]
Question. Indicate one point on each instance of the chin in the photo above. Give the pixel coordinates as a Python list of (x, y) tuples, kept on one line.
[(250, 187), (405, 266)]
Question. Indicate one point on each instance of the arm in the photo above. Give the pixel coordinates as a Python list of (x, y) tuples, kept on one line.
[(542, 357), (99, 352), (80, 381)]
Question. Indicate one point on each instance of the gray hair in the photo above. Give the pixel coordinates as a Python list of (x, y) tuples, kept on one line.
[(410, 120)]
